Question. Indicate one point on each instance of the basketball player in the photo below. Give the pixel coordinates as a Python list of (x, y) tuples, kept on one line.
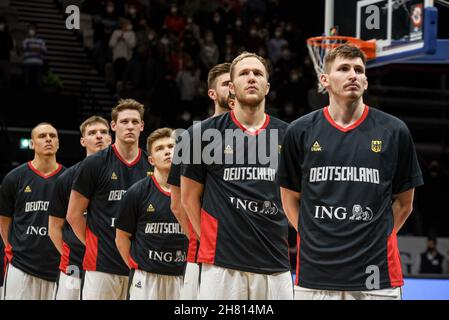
[(148, 235), (347, 176), (94, 137), (243, 245), (218, 84), (25, 196), (101, 181), (2, 264)]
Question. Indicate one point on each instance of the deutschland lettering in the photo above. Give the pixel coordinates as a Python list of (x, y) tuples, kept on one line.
[(116, 195), (161, 228), (354, 174), (36, 206), (249, 173)]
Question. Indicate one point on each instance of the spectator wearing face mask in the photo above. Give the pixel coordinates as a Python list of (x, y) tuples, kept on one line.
[(174, 21), (209, 51), (275, 45), (432, 261), (33, 58), (122, 43)]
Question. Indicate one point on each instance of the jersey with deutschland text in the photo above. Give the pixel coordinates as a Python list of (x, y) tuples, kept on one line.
[(25, 197), (243, 226), (174, 179), (73, 250), (103, 178), (347, 177), (158, 243)]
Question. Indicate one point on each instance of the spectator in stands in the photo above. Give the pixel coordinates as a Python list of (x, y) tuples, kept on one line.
[(188, 80), (431, 261), (122, 42), (6, 45), (33, 58), (209, 51), (276, 44), (229, 49), (175, 22)]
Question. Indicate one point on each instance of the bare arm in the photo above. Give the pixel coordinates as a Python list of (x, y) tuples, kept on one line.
[(123, 243), (5, 223), (75, 214), (402, 207), (290, 203), (178, 210), (191, 192), (55, 227)]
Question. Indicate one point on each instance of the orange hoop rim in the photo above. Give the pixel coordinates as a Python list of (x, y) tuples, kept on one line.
[(368, 47)]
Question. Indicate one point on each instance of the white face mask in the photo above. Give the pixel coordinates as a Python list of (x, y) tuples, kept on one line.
[(2, 27), (32, 33)]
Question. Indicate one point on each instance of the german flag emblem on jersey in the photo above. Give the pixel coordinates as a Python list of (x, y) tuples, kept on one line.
[(27, 189), (376, 145)]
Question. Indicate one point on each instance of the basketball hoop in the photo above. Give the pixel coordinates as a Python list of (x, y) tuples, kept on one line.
[(320, 46)]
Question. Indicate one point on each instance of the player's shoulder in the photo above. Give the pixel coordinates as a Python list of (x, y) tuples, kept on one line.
[(140, 186), (278, 123), (306, 121), (387, 120), (217, 122), (18, 172), (97, 159), (69, 172)]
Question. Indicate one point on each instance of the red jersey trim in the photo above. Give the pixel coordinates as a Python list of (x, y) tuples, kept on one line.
[(64, 262), (208, 238), (30, 165), (90, 257), (298, 242), (129, 164), (193, 246), (394, 261), (133, 263), (265, 124), (352, 126), (159, 187), (8, 253)]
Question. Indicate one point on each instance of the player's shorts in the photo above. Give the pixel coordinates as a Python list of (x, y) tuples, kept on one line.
[(190, 286), (152, 286), (68, 288), (1, 293), (313, 294), (226, 284), (19, 285), (104, 286)]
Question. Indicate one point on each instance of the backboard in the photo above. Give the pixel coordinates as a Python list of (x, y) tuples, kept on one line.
[(403, 29)]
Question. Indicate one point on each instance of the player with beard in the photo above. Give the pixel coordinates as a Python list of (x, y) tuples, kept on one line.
[(218, 84), (233, 202)]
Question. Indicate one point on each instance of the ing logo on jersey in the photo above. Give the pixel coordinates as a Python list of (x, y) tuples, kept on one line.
[(316, 147), (114, 176), (376, 146), (228, 150), (150, 208), (27, 189)]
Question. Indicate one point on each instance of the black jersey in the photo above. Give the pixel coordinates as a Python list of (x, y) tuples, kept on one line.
[(174, 179), (73, 249), (25, 197), (243, 225), (158, 243), (346, 177), (2, 261), (103, 178)]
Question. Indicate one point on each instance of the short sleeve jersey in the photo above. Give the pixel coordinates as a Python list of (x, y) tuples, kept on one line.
[(73, 249), (346, 177), (174, 179), (104, 178), (25, 197), (243, 226), (158, 243)]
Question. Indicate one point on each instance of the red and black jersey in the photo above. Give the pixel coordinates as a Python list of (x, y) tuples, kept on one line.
[(174, 179), (243, 225), (346, 177), (158, 243), (104, 178), (2, 260), (73, 249), (25, 197)]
